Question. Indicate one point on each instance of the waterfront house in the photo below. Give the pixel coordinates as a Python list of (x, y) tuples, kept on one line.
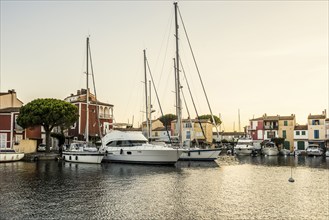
[(271, 126), (194, 130), (161, 134), (316, 129), (300, 138), (153, 124), (77, 131), (286, 130), (10, 132), (256, 130)]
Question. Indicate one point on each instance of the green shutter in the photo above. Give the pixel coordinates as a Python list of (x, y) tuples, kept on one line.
[(300, 145)]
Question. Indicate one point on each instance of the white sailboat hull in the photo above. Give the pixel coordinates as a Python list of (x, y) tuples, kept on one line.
[(142, 155), (200, 154), (314, 153), (82, 157), (244, 147), (10, 156), (242, 151), (270, 151)]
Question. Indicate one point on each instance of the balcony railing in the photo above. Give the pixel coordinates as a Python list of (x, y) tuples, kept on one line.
[(105, 116), (270, 127)]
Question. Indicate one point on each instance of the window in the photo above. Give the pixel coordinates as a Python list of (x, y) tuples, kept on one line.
[(16, 125), (270, 134), (156, 134), (3, 140), (315, 122), (286, 145), (297, 132), (303, 132), (188, 135), (285, 123), (188, 125), (316, 134), (284, 134)]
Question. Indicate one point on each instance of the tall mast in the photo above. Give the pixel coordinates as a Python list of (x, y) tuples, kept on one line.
[(146, 106), (150, 136), (87, 94), (179, 105)]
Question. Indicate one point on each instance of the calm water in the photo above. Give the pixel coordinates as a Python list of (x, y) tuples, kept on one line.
[(230, 188)]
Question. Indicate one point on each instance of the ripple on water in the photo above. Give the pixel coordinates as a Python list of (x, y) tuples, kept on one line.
[(230, 188)]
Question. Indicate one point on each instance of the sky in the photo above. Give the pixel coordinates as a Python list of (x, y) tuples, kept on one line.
[(254, 57)]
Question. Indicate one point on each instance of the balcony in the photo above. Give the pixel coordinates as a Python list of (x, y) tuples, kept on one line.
[(270, 127), (105, 116)]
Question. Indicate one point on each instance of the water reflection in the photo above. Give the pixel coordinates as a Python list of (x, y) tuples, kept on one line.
[(191, 190), (313, 162)]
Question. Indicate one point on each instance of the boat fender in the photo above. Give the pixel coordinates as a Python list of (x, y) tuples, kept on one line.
[(189, 153), (76, 157), (121, 151), (199, 152)]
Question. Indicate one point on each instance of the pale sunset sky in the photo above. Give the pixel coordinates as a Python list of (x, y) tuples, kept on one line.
[(257, 56)]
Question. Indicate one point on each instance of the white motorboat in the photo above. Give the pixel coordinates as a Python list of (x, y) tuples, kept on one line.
[(244, 147), (314, 150), (270, 149), (84, 152), (133, 147), (10, 155), (284, 152), (197, 154)]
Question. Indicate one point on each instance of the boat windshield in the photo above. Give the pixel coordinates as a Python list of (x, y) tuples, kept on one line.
[(7, 151), (126, 143)]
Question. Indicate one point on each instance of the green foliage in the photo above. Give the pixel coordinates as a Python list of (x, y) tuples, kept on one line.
[(208, 117), (278, 141), (166, 119), (48, 113)]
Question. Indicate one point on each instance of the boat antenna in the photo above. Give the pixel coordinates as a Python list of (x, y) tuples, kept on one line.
[(156, 94)]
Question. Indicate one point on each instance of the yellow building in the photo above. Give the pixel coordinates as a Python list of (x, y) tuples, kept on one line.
[(316, 128), (286, 131), (9, 100), (192, 130)]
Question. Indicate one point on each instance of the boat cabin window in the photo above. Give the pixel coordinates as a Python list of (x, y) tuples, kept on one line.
[(126, 143)]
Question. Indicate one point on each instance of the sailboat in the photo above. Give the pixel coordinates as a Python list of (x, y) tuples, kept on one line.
[(84, 152), (10, 155), (193, 154)]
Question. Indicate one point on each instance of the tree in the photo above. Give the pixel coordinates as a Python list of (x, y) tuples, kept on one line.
[(217, 120), (278, 141), (166, 119), (48, 113)]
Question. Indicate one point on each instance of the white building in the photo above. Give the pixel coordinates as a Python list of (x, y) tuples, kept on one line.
[(301, 137)]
